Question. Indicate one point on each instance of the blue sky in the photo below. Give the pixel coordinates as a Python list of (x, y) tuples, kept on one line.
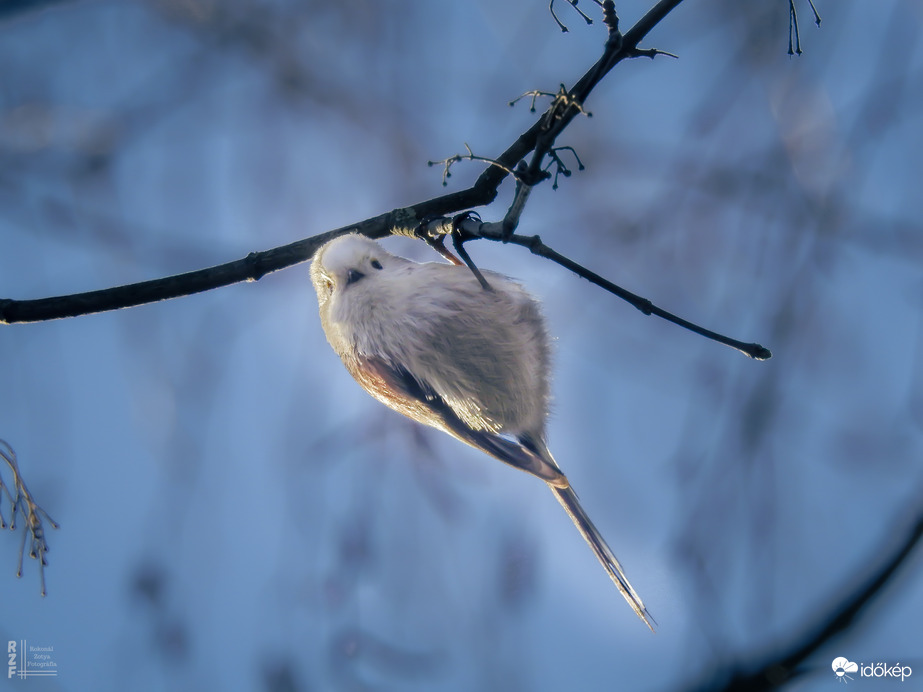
[(236, 513)]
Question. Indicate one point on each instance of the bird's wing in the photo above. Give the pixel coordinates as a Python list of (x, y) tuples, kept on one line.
[(398, 389)]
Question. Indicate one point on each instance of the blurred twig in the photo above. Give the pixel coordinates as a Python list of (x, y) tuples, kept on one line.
[(10, 8), (787, 663)]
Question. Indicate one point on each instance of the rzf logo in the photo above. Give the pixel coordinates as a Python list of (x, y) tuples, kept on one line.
[(11, 651)]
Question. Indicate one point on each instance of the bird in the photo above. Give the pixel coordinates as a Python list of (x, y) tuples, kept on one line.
[(431, 342)]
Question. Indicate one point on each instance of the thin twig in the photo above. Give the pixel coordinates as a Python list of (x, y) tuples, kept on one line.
[(554, 159), (793, 29), (23, 504), (817, 19), (470, 156), (520, 197), (563, 101), (472, 229), (652, 53), (534, 94), (572, 3)]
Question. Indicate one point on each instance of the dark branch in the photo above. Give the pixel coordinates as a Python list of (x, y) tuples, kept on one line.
[(538, 139), (573, 3), (794, 32), (470, 156), (251, 268), (10, 8), (787, 663), (472, 229)]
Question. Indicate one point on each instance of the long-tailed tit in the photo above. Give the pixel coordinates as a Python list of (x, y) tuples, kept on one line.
[(430, 342)]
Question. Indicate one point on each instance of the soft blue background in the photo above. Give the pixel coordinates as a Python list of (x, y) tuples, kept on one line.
[(237, 514)]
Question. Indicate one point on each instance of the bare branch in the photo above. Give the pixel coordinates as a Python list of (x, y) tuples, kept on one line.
[(572, 3), (794, 34), (472, 228), (781, 668), (470, 156), (560, 167), (511, 218), (535, 94), (651, 53), (251, 268), (539, 138), (23, 504)]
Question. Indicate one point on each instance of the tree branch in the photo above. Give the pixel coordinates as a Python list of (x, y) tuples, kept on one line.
[(538, 138), (777, 670), (472, 228), (24, 505)]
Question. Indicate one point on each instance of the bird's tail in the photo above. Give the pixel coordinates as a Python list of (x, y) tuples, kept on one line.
[(568, 499)]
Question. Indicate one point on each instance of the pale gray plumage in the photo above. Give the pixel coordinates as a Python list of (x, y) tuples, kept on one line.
[(430, 342)]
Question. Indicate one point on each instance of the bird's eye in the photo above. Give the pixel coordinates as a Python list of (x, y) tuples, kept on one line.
[(352, 276), (376, 264)]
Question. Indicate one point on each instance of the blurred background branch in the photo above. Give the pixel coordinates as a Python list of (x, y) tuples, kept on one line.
[(793, 658)]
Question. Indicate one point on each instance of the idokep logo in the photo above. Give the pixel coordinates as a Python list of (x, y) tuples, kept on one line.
[(842, 668)]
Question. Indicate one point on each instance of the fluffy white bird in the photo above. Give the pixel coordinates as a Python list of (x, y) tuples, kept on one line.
[(430, 342)]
